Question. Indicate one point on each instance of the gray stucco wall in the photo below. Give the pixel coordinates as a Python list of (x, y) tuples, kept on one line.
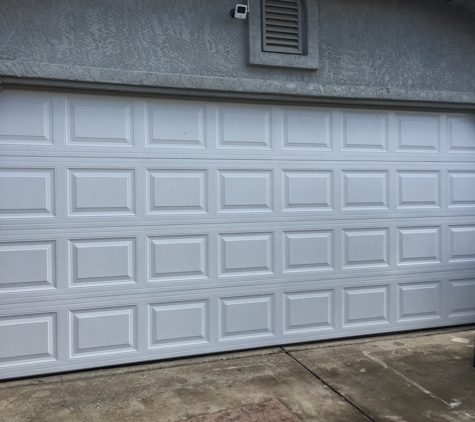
[(399, 49)]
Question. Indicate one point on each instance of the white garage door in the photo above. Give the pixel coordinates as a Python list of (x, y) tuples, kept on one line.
[(137, 229)]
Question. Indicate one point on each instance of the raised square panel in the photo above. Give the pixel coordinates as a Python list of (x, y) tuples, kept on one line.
[(308, 251), (245, 191), (307, 130), (419, 245), (307, 190), (461, 133), (366, 306), (177, 191), (365, 131), (461, 244), (26, 193), (419, 300), (176, 125), (367, 248), (364, 189), (308, 311), (26, 121), (461, 189), (418, 133), (27, 265), (462, 297), (178, 323), (247, 253), (102, 261), (101, 192), (178, 257), (100, 123), (103, 331), (249, 316), (244, 127), (27, 339), (418, 189)]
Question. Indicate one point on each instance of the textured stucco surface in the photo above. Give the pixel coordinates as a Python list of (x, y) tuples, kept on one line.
[(405, 47)]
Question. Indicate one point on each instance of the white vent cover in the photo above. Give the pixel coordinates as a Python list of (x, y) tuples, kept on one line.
[(282, 26)]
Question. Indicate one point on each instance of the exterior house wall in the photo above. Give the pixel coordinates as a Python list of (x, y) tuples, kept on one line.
[(393, 49), (203, 209)]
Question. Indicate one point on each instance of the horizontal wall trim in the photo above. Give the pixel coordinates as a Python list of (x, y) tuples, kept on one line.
[(444, 101)]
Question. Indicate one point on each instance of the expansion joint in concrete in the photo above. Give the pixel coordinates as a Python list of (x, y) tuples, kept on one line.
[(350, 402)]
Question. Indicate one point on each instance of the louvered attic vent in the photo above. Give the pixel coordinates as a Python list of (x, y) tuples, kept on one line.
[(282, 26)]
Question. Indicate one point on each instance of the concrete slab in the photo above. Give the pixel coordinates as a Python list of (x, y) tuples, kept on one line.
[(423, 376), (269, 411), (176, 393), (417, 378)]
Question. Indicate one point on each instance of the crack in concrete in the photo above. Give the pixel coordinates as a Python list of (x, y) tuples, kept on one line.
[(410, 381), (350, 402)]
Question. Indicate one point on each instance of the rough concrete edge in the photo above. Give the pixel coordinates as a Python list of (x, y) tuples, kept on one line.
[(142, 367), (291, 415), (325, 344), (24, 69)]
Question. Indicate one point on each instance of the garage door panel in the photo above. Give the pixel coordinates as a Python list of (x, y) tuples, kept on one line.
[(418, 132), (154, 326), (173, 191), (308, 251), (369, 247), (246, 316), (461, 243), (461, 133), (184, 323), (27, 193), (462, 299), (419, 245), (365, 189), (28, 339), (175, 125), (101, 191), (102, 261), (99, 122), (366, 305), (418, 189), (69, 195), (246, 253), (244, 127), (174, 258), (365, 131), (419, 300), (245, 191), (309, 311), (26, 119), (306, 130), (180, 257), (307, 190), (137, 228), (103, 331), (28, 266), (461, 189)]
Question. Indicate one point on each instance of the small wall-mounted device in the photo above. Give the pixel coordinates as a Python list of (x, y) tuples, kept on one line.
[(240, 11)]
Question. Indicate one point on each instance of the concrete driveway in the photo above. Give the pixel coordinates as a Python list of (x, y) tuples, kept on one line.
[(423, 376)]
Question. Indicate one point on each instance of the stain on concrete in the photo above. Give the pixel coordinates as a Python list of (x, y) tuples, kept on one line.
[(177, 393), (423, 379), (403, 378), (271, 411)]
